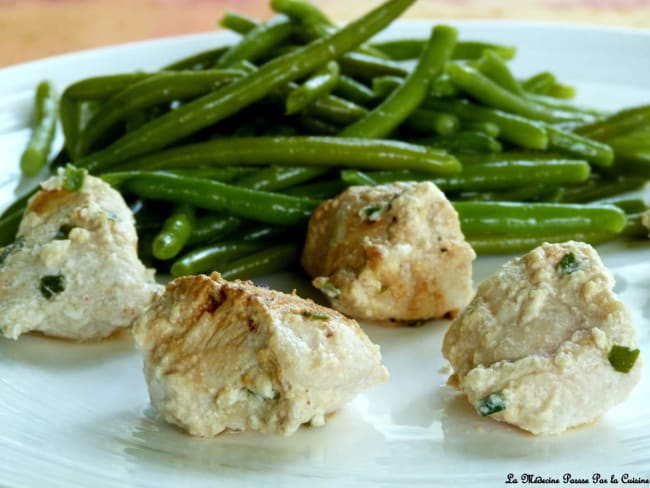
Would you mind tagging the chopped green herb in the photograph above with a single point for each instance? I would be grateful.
(315, 315)
(372, 213)
(568, 264)
(73, 177)
(14, 246)
(63, 232)
(622, 358)
(52, 285)
(492, 403)
(324, 285)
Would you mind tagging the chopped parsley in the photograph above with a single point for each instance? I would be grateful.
(492, 403)
(52, 285)
(372, 213)
(73, 177)
(622, 358)
(63, 232)
(324, 285)
(315, 315)
(14, 246)
(568, 264)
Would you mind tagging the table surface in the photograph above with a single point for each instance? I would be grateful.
(32, 29)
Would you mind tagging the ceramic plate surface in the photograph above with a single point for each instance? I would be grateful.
(78, 414)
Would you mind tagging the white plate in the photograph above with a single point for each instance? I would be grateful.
(78, 415)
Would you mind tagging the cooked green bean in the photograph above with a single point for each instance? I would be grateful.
(272, 208)
(635, 227)
(599, 187)
(405, 49)
(301, 150)
(494, 67)
(491, 244)
(34, 156)
(258, 42)
(202, 60)
(354, 91)
(175, 233)
(102, 87)
(367, 67)
(301, 11)
(498, 175)
(209, 258)
(318, 191)
(463, 142)
(617, 124)
(539, 83)
(575, 145)
(213, 227)
(225, 174)
(490, 128)
(392, 111)
(212, 108)
(268, 261)
(490, 93)
(278, 178)
(154, 90)
(443, 87)
(511, 218)
(355, 177)
(513, 128)
(9, 226)
(382, 86)
(431, 121)
(237, 23)
(317, 127)
(627, 204)
(320, 83)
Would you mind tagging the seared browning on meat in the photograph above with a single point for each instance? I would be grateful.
(545, 343)
(73, 271)
(390, 252)
(222, 355)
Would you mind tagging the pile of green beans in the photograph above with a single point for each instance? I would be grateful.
(224, 154)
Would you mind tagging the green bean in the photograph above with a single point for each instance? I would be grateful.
(238, 23)
(225, 174)
(495, 68)
(102, 87)
(490, 128)
(488, 92)
(463, 142)
(209, 258)
(34, 156)
(391, 112)
(599, 187)
(301, 11)
(74, 116)
(575, 145)
(366, 67)
(498, 175)
(635, 227)
(355, 177)
(513, 128)
(539, 83)
(278, 178)
(405, 49)
(617, 124)
(510, 218)
(333, 109)
(627, 204)
(212, 108)
(443, 87)
(213, 227)
(523, 193)
(315, 126)
(354, 91)
(558, 90)
(157, 89)
(301, 150)
(203, 60)
(258, 42)
(175, 232)
(320, 83)
(484, 245)
(382, 86)
(430, 121)
(250, 204)
(555, 104)
(268, 261)
(9, 226)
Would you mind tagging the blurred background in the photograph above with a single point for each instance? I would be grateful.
(32, 29)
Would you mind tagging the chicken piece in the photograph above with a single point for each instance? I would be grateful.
(545, 343)
(222, 355)
(390, 252)
(73, 271)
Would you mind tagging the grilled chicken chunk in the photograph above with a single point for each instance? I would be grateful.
(73, 270)
(545, 344)
(222, 355)
(390, 252)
